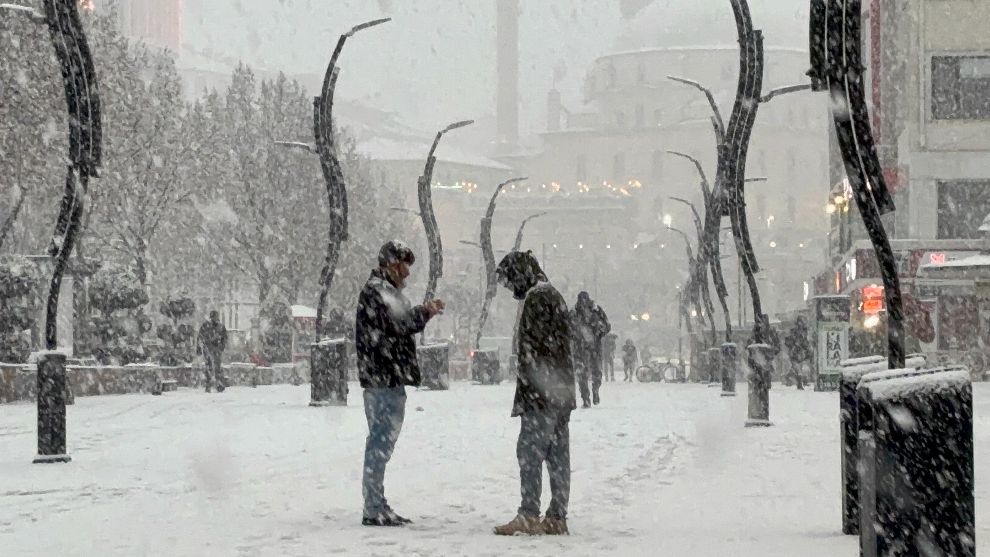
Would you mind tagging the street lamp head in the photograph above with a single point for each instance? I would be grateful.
(366, 25)
(455, 125)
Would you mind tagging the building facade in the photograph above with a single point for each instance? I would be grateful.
(929, 94)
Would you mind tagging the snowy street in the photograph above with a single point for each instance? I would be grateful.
(657, 470)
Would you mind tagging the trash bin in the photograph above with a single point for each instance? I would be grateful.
(434, 365)
(916, 463)
(485, 367)
(853, 370)
(328, 373)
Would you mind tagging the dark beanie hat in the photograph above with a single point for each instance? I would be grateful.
(394, 250)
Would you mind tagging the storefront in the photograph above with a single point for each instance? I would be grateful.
(961, 290)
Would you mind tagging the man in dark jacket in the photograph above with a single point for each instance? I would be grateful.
(385, 326)
(608, 356)
(798, 350)
(544, 396)
(213, 341)
(589, 326)
(628, 359)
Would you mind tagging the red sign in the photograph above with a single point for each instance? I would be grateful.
(937, 258)
(872, 300)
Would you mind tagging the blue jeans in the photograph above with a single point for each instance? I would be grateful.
(385, 410)
(544, 436)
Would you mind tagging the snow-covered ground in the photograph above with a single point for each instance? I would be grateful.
(657, 470)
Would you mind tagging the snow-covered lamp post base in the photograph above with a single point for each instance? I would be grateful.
(51, 409)
(434, 363)
(485, 367)
(729, 358)
(760, 370)
(714, 367)
(328, 373)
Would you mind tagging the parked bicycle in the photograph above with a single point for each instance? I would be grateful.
(657, 370)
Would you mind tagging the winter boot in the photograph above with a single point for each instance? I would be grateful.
(396, 517)
(554, 526)
(521, 526)
(381, 519)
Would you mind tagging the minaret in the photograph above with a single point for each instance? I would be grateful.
(507, 101)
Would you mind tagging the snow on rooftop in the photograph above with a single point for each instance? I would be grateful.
(982, 260)
(303, 311)
(900, 387)
(384, 149)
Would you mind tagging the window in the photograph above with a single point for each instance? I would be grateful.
(961, 87)
(656, 166)
(962, 205)
(619, 168)
(640, 116)
(610, 76)
(581, 168)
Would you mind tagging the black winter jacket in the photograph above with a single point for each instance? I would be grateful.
(384, 330)
(545, 377)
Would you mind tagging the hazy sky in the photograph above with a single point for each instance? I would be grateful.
(436, 61)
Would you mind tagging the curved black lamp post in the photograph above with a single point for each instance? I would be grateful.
(709, 243)
(727, 197)
(694, 282)
(836, 67)
(700, 268)
(519, 235)
(85, 156)
(326, 386)
(326, 148)
(489, 254)
(429, 217)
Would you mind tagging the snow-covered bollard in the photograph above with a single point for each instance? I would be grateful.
(760, 359)
(485, 367)
(853, 371)
(729, 358)
(916, 463)
(434, 364)
(51, 377)
(328, 373)
(714, 367)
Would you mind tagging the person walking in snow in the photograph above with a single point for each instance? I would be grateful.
(589, 327)
(385, 326)
(628, 359)
(544, 396)
(608, 356)
(212, 342)
(798, 350)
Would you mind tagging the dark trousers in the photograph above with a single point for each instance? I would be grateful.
(385, 410)
(214, 369)
(581, 374)
(795, 372)
(544, 436)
